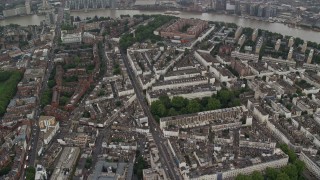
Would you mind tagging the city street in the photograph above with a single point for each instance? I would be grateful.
(32, 153)
(167, 160)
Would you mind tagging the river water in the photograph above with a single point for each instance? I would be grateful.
(274, 27)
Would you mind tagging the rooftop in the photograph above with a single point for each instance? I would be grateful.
(112, 171)
(66, 163)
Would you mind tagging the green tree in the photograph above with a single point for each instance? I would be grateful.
(157, 108)
(30, 173)
(178, 102)
(292, 155)
(4, 75)
(184, 110)
(272, 173)
(300, 166)
(101, 93)
(193, 106)
(118, 103)
(243, 177)
(213, 104)
(291, 171)
(63, 100)
(186, 51)
(299, 92)
(235, 102)
(204, 101)
(116, 71)
(46, 97)
(86, 114)
(264, 78)
(225, 96)
(51, 83)
(77, 59)
(256, 175)
(90, 68)
(5, 170)
(282, 176)
(71, 79)
(172, 112)
(139, 166)
(88, 163)
(165, 100)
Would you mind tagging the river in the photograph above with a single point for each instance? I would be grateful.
(274, 27)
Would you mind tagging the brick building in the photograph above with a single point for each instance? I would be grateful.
(176, 29)
(240, 67)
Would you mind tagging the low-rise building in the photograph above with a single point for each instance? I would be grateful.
(255, 35)
(238, 33)
(153, 174)
(244, 56)
(175, 28)
(241, 68)
(41, 173)
(290, 53)
(15, 12)
(259, 45)
(112, 171)
(278, 44)
(242, 40)
(310, 56)
(21, 105)
(49, 127)
(202, 118)
(71, 38)
(258, 164)
(291, 42)
(304, 46)
(311, 162)
(260, 113)
(66, 163)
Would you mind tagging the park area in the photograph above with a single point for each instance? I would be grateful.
(8, 87)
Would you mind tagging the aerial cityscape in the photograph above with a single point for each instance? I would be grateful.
(159, 90)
